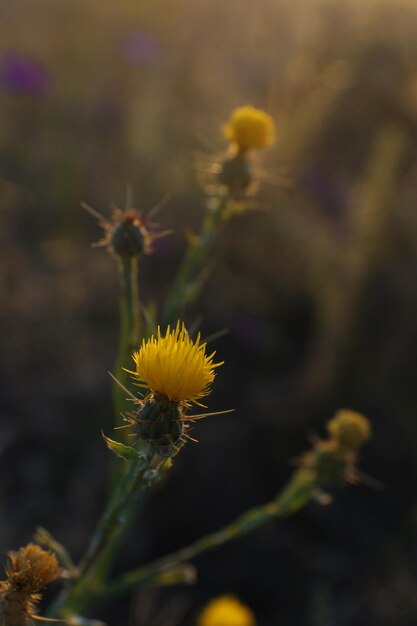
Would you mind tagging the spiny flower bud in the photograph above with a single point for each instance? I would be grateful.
(235, 173)
(127, 234)
(333, 462)
(226, 611)
(128, 238)
(159, 422)
(331, 465)
(350, 429)
(29, 570)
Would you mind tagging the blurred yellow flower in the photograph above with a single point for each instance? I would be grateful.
(349, 428)
(249, 127)
(226, 611)
(174, 366)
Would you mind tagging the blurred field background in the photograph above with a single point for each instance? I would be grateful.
(318, 288)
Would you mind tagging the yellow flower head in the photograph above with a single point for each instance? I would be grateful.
(249, 127)
(174, 366)
(349, 429)
(226, 611)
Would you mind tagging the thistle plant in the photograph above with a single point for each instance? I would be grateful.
(329, 463)
(233, 180)
(127, 236)
(334, 460)
(175, 373)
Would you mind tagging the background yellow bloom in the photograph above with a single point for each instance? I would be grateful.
(250, 127)
(226, 611)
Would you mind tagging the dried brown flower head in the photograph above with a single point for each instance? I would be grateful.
(28, 571)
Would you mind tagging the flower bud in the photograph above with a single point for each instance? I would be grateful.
(128, 237)
(235, 173)
(330, 463)
(159, 422)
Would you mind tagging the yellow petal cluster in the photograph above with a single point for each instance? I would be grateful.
(249, 127)
(349, 428)
(226, 611)
(174, 366)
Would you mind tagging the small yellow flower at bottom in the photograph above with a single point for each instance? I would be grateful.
(249, 127)
(226, 611)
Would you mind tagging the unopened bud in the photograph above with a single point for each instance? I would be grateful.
(236, 173)
(159, 422)
(128, 238)
(330, 463)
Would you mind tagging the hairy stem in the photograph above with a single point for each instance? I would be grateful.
(129, 332)
(192, 273)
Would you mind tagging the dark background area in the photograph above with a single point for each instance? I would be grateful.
(317, 287)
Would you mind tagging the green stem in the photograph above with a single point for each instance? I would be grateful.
(191, 275)
(129, 332)
(128, 342)
(77, 598)
(291, 499)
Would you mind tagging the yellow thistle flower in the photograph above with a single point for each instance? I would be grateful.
(174, 366)
(226, 611)
(349, 428)
(250, 127)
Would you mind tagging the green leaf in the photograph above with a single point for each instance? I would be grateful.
(125, 452)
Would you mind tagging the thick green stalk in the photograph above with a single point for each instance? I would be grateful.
(128, 342)
(295, 495)
(76, 599)
(129, 332)
(192, 274)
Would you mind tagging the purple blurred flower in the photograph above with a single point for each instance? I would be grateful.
(141, 48)
(20, 74)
